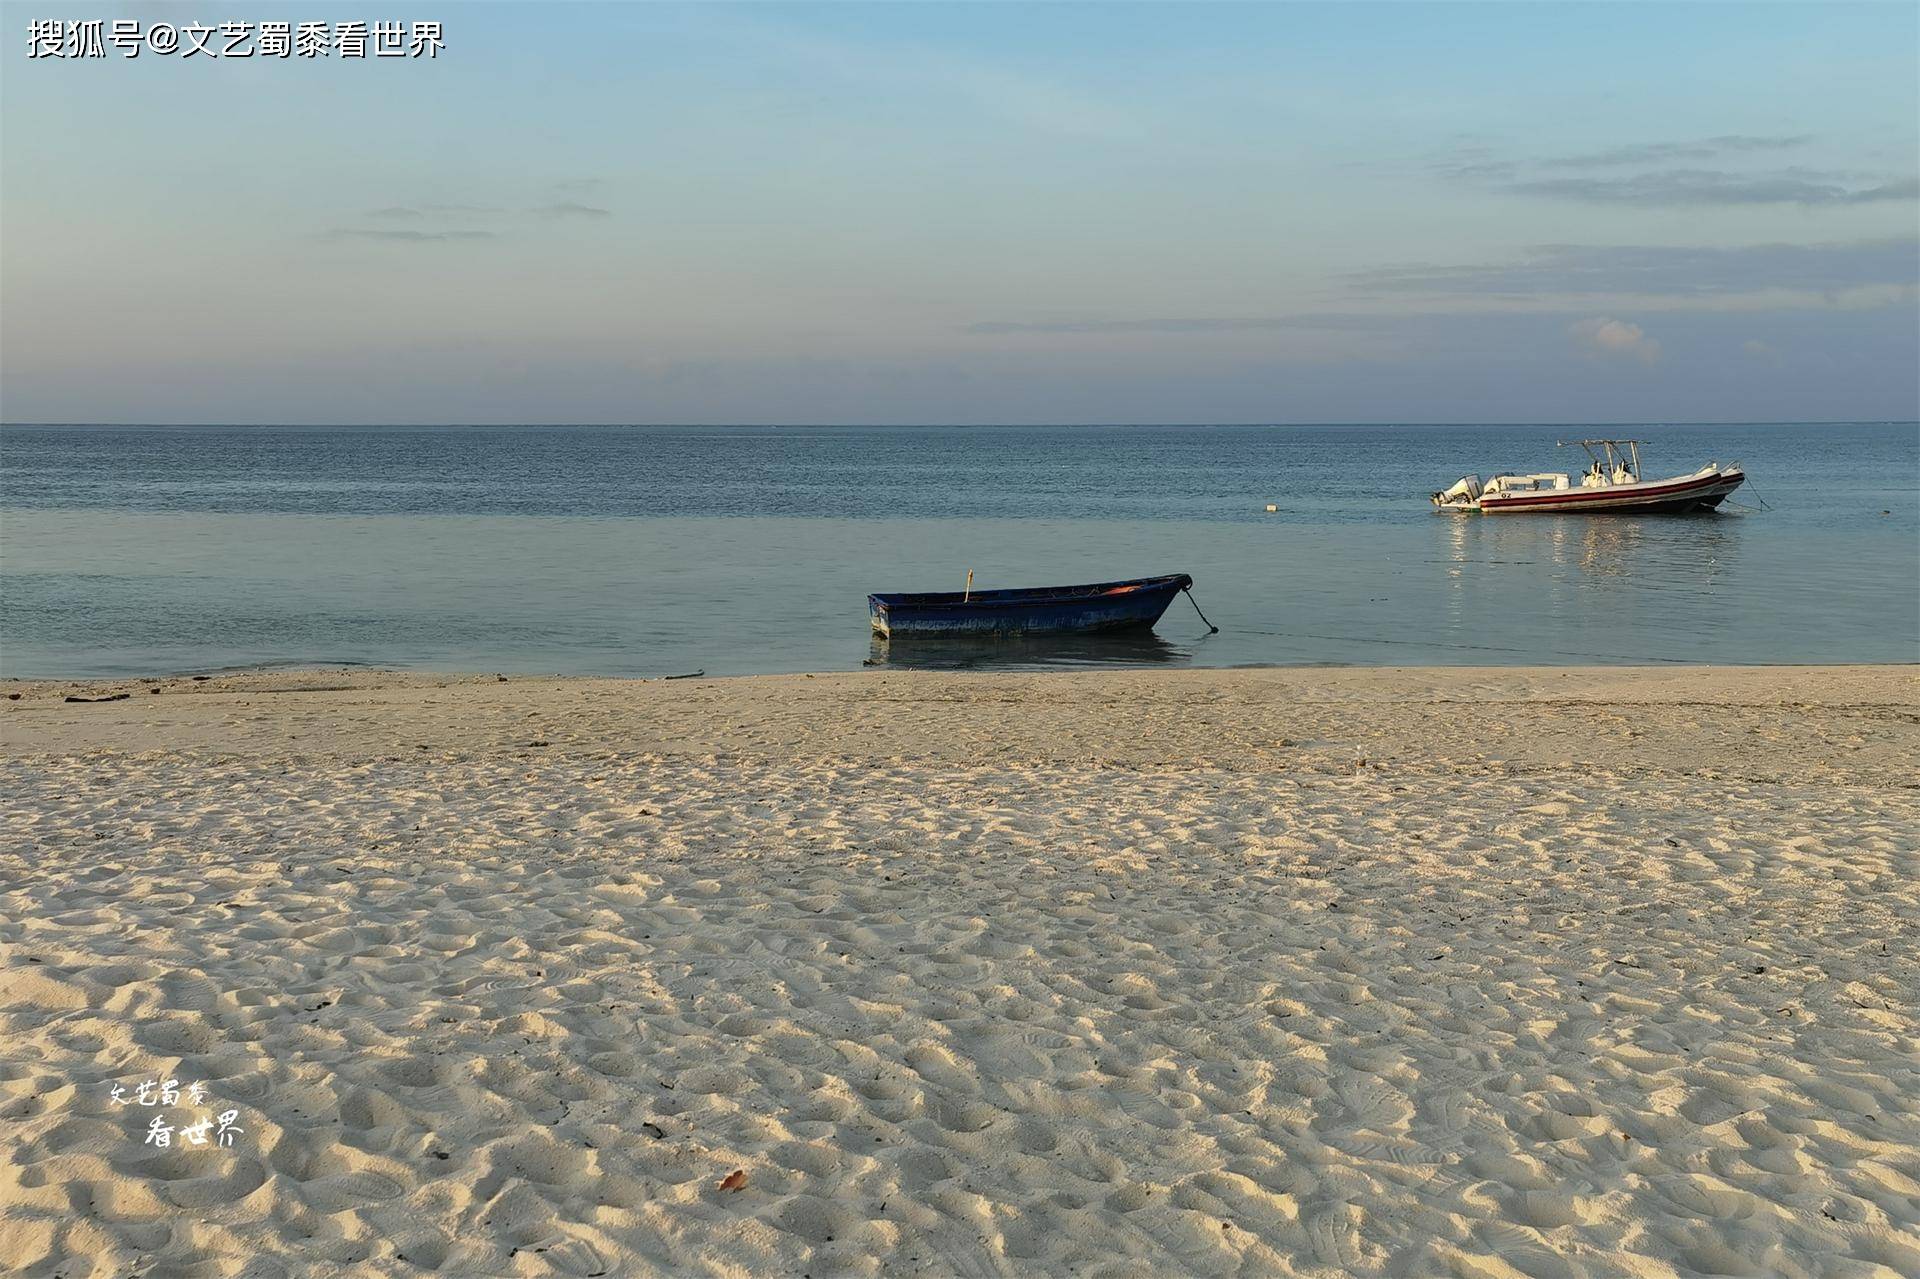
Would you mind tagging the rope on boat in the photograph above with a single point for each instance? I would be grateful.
(1188, 592)
(1764, 504)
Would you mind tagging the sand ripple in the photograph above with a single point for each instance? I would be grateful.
(508, 1015)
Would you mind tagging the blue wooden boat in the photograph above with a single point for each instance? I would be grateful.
(1099, 606)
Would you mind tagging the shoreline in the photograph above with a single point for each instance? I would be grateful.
(376, 670)
(1294, 971)
(1244, 718)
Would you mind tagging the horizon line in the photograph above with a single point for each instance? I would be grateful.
(950, 426)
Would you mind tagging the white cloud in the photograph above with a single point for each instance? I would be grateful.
(1882, 272)
(1603, 336)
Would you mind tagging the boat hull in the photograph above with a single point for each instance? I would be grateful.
(1661, 497)
(1099, 606)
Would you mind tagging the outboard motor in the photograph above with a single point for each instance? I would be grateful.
(1465, 493)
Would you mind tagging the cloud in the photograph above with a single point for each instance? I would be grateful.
(1666, 182)
(1671, 187)
(451, 212)
(1668, 152)
(1564, 283)
(569, 209)
(1602, 336)
(404, 237)
(1253, 324)
(1572, 270)
(1474, 164)
(411, 211)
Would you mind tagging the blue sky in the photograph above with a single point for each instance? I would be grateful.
(994, 213)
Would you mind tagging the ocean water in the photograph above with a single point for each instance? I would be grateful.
(650, 551)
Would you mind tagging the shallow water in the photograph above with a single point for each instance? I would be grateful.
(647, 551)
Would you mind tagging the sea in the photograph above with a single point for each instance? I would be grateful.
(648, 551)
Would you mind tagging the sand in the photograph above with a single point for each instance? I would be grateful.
(1279, 972)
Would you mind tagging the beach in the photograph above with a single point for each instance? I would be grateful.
(1475, 972)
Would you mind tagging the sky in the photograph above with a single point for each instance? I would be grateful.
(972, 213)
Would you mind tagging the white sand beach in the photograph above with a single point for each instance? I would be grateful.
(1465, 972)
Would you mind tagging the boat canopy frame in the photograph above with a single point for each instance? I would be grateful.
(1613, 455)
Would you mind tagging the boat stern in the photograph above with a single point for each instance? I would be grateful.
(1463, 496)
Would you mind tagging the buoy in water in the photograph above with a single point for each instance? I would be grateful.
(1271, 508)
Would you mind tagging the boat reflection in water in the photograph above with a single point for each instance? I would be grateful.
(1653, 554)
(1025, 652)
(1561, 588)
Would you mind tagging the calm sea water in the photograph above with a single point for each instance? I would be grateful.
(647, 551)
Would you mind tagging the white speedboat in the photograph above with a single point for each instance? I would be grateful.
(1612, 485)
